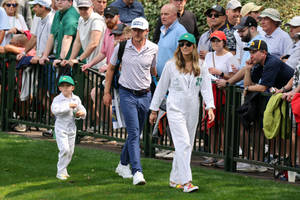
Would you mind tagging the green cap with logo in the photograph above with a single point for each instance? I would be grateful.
(66, 79)
(188, 37)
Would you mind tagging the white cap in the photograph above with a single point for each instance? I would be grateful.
(295, 21)
(46, 3)
(140, 23)
(233, 4)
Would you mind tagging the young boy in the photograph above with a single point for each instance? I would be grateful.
(66, 107)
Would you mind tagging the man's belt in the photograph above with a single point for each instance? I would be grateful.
(136, 92)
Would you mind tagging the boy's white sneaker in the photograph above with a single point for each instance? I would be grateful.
(138, 178)
(190, 188)
(61, 177)
(124, 171)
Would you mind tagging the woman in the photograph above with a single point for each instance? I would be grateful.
(16, 21)
(220, 61)
(183, 78)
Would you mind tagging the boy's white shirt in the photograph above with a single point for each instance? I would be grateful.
(65, 119)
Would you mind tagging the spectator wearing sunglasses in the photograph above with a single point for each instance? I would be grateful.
(15, 20)
(216, 18)
(184, 77)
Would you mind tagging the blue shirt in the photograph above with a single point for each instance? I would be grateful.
(278, 42)
(274, 73)
(4, 25)
(128, 13)
(167, 44)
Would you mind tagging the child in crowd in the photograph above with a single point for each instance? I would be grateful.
(17, 45)
(66, 107)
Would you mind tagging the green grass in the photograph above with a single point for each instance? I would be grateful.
(28, 169)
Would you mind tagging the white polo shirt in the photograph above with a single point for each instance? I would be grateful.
(136, 65)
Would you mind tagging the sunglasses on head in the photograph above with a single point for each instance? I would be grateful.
(11, 5)
(186, 43)
(215, 15)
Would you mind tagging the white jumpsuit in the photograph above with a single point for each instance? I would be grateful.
(182, 112)
(65, 128)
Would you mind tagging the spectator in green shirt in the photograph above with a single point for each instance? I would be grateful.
(63, 32)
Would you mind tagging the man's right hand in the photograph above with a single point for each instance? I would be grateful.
(221, 83)
(202, 54)
(86, 66)
(43, 60)
(107, 99)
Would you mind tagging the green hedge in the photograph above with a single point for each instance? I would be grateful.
(287, 9)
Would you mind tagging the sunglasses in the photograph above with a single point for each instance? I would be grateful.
(11, 5)
(188, 44)
(215, 15)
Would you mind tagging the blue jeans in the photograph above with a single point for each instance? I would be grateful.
(135, 110)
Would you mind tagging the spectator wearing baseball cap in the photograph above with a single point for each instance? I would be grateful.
(252, 10)
(264, 70)
(278, 40)
(111, 11)
(293, 55)
(233, 9)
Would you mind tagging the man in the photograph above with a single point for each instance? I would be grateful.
(89, 37)
(99, 6)
(137, 65)
(294, 53)
(63, 32)
(278, 40)
(264, 70)
(128, 10)
(252, 10)
(38, 40)
(170, 33)
(247, 30)
(185, 17)
(233, 9)
(112, 19)
(215, 17)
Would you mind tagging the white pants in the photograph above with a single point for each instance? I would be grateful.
(65, 143)
(183, 129)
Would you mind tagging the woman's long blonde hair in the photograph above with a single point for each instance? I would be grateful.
(4, 2)
(180, 62)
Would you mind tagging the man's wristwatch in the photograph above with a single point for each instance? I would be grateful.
(222, 75)
(246, 88)
(227, 83)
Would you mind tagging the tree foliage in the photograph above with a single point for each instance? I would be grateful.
(287, 9)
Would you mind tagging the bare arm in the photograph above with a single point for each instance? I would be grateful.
(30, 44)
(2, 33)
(76, 47)
(108, 79)
(94, 42)
(49, 45)
(65, 46)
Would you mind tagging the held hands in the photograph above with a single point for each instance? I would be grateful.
(221, 83)
(34, 60)
(43, 60)
(86, 66)
(153, 117)
(288, 96)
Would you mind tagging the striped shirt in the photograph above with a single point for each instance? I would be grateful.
(136, 65)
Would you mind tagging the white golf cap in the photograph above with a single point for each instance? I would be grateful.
(271, 13)
(140, 23)
(295, 21)
(46, 3)
(233, 4)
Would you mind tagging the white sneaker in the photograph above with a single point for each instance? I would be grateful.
(245, 167)
(61, 177)
(169, 156)
(124, 171)
(190, 188)
(162, 153)
(138, 178)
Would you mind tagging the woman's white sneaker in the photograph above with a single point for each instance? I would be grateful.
(124, 171)
(138, 178)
